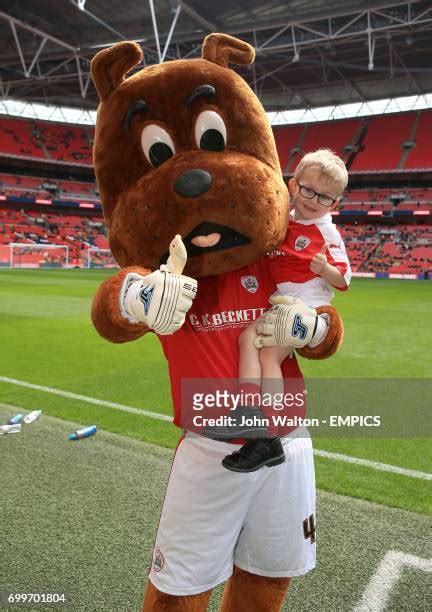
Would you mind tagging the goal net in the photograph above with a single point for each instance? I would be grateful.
(100, 258)
(25, 255)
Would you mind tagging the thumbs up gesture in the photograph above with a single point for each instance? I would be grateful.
(319, 261)
(177, 256)
(160, 299)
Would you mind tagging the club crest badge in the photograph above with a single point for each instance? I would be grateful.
(249, 283)
(158, 560)
(301, 243)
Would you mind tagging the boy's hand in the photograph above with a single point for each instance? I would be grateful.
(319, 261)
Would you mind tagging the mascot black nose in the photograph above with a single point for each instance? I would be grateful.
(193, 183)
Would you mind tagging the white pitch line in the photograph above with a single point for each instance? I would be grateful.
(378, 591)
(376, 465)
(85, 398)
(384, 467)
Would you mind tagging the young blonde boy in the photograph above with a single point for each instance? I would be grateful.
(311, 261)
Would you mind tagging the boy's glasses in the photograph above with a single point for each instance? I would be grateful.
(309, 194)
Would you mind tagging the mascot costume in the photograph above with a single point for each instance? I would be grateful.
(184, 148)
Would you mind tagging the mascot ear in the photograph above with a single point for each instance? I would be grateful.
(222, 49)
(109, 66)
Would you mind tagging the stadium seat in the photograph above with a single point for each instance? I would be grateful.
(382, 146)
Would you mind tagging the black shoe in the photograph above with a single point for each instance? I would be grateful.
(254, 455)
(236, 428)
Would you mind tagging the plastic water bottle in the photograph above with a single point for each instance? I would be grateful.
(83, 433)
(32, 416)
(17, 418)
(8, 429)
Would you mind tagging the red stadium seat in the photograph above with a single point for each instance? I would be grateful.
(333, 135)
(46, 140)
(383, 143)
(421, 156)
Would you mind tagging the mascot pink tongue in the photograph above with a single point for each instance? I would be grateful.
(184, 148)
(206, 241)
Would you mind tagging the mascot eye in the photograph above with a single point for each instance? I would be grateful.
(157, 144)
(210, 131)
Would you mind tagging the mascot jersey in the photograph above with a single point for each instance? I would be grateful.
(206, 346)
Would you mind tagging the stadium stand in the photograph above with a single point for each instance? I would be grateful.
(286, 139)
(33, 226)
(293, 141)
(390, 143)
(385, 143)
(382, 147)
(401, 250)
(27, 186)
(395, 249)
(378, 195)
(399, 241)
(420, 156)
(46, 140)
(344, 136)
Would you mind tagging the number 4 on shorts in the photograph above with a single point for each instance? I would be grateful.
(309, 529)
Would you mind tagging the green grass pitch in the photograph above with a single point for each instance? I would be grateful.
(80, 518)
(48, 340)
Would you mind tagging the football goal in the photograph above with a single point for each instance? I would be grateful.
(100, 258)
(27, 255)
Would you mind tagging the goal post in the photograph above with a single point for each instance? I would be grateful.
(28, 255)
(37, 255)
(100, 258)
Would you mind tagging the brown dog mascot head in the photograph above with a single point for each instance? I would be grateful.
(185, 148)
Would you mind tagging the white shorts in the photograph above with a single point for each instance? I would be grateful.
(263, 521)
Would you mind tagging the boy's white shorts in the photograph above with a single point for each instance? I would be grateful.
(212, 518)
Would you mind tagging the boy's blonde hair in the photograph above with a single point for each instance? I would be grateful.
(328, 164)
